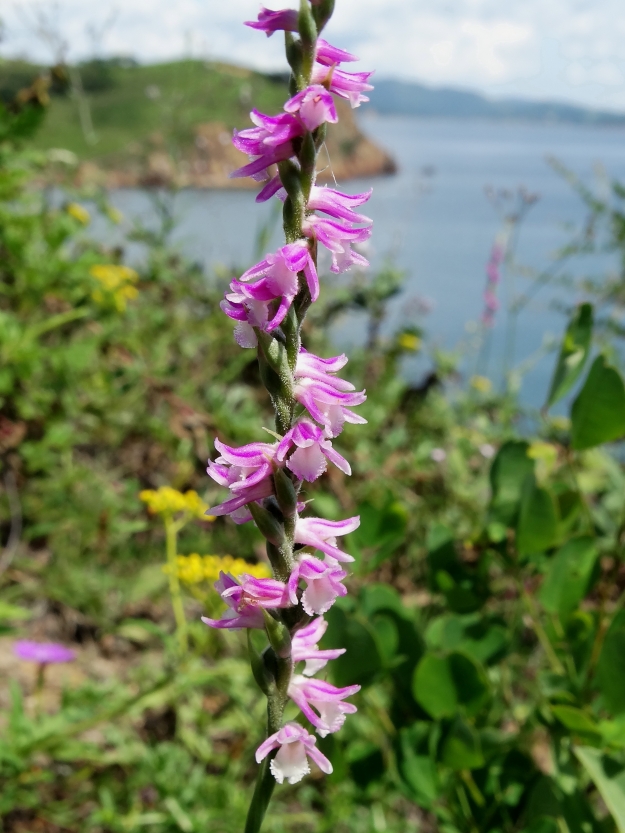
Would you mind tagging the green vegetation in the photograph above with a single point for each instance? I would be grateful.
(484, 619)
(133, 106)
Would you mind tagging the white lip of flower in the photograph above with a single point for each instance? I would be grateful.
(290, 763)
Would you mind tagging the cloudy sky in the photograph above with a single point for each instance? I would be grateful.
(559, 49)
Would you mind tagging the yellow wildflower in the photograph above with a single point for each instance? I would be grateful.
(116, 282)
(166, 500)
(195, 568)
(78, 212)
(481, 384)
(409, 341)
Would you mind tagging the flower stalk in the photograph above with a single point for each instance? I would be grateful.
(269, 303)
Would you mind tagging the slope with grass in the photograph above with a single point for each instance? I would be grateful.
(171, 123)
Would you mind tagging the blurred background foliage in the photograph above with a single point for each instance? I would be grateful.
(485, 618)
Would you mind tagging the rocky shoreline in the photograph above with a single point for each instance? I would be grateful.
(209, 161)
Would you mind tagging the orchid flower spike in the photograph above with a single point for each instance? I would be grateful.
(312, 403)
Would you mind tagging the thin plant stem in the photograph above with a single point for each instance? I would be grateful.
(171, 538)
(556, 666)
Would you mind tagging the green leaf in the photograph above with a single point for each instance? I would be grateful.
(576, 720)
(537, 527)
(598, 413)
(483, 638)
(463, 588)
(381, 532)
(569, 576)
(362, 660)
(611, 665)
(11, 612)
(573, 353)
(447, 685)
(544, 824)
(507, 476)
(434, 688)
(461, 748)
(608, 776)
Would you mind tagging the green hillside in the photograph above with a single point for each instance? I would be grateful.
(132, 105)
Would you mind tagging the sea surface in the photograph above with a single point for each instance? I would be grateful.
(433, 219)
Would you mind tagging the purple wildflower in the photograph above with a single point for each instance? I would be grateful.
(246, 471)
(257, 593)
(329, 55)
(294, 745)
(305, 648)
(327, 398)
(237, 615)
(321, 534)
(348, 85)
(270, 21)
(312, 451)
(45, 653)
(339, 205)
(338, 238)
(322, 703)
(314, 106)
(323, 580)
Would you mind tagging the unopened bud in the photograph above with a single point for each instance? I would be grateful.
(286, 494)
(269, 527)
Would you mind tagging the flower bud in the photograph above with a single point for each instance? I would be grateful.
(286, 495)
(269, 527)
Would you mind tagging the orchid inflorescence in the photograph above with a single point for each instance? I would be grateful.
(312, 404)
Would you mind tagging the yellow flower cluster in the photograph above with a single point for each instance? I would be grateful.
(166, 500)
(481, 384)
(116, 282)
(194, 568)
(409, 341)
(79, 213)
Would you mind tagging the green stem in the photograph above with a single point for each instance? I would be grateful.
(266, 782)
(262, 796)
(554, 660)
(171, 538)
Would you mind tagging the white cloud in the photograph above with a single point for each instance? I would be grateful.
(541, 48)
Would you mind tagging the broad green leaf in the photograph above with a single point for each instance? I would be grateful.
(362, 661)
(381, 532)
(598, 413)
(573, 353)
(543, 825)
(576, 720)
(507, 476)
(569, 576)
(537, 526)
(461, 748)
(434, 687)
(464, 588)
(447, 685)
(611, 665)
(386, 635)
(483, 638)
(608, 776)
(378, 597)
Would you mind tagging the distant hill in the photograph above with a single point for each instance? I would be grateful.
(171, 123)
(391, 97)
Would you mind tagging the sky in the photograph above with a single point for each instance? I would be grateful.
(568, 50)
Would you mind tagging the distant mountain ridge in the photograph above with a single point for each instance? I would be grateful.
(407, 98)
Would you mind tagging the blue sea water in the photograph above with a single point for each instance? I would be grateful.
(433, 220)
